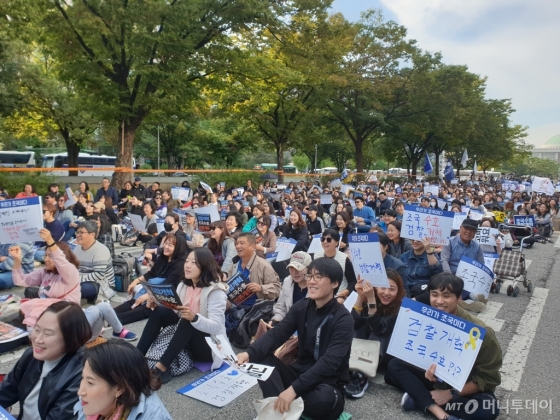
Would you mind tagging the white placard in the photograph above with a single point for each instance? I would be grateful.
(477, 277)
(137, 222)
(421, 222)
(458, 219)
(490, 259)
(475, 215)
(70, 198)
(365, 253)
(486, 236)
(207, 187)
(424, 336)
(180, 193)
(542, 185)
(432, 189)
(345, 189)
(211, 210)
(441, 204)
(315, 244)
(326, 199)
(465, 209)
(284, 248)
(336, 183)
(350, 301)
(21, 220)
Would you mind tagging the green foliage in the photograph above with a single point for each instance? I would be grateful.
(232, 179)
(14, 182)
(301, 162)
(535, 166)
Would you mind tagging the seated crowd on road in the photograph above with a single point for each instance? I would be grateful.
(88, 377)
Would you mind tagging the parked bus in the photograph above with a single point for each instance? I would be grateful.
(17, 159)
(85, 160)
(288, 169)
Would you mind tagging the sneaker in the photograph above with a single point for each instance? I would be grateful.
(357, 386)
(407, 403)
(165, 376)
(125, 335)
(472, 305)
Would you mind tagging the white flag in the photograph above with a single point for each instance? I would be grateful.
(464, 159)
(475, 168)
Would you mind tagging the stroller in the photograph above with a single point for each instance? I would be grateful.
(511, 264)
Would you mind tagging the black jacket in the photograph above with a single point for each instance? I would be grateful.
(301, 235)
(335, 341)
(59, 390)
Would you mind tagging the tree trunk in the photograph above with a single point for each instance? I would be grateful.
(436, 171)
(169, 164)
(359, 144)
(280, 161)
(73, 150)
(414, 168)
(124, 153)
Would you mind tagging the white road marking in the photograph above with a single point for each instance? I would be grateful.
(518, 350)
(489, 316)
(557, 243)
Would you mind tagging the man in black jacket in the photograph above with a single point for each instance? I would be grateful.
(325, 329)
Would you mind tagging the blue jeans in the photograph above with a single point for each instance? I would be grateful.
(6, 281)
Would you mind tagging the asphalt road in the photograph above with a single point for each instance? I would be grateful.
(525, 327)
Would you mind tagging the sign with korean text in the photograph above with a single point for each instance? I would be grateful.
(486, 236)
(203, 221)
(238, 292)
(421, 222)
(21, 220)
(458, 219)
(365, 253)
(490, 259)
(180, 193)
(431, 189)
(284, 248)
(212, 211)
(477, 277)
(424, 336)
(524, 220)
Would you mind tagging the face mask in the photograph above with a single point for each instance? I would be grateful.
(432, 204)
(168, 227)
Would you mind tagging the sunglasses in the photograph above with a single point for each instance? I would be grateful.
(214, 227)
(261, 223)
(326, 238)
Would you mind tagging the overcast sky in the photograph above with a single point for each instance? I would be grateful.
(514, 43)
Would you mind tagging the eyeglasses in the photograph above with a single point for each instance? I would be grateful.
(326, 238)
(316, 277)
(81, 232)
(157, 198)
(261, 223)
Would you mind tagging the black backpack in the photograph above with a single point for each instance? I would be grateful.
(127, 268)
(262, 309)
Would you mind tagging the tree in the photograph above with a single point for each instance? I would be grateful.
(130, 54)
(534, 166)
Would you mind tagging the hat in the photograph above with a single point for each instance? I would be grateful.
(469, 223)
(137, 179)
(99, 206)
(300, 260)
(190, 213)
(489, 214)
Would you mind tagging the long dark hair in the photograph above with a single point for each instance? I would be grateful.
(209, 268)
(121, 365)
(395, 305)
(216, 245)
(300, 223)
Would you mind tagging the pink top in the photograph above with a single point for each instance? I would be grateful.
(25, 195)
(64, 285)
(192, 298)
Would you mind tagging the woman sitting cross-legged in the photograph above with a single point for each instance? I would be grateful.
(203, 314)
(118, 385)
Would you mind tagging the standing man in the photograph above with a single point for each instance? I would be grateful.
(363, 215)
(459, 245)
(325, 329)
(107, 190)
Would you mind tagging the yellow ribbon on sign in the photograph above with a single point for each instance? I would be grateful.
(473, 337)
(500, 216)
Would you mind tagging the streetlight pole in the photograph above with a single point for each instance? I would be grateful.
(315, 166)
(158, 149)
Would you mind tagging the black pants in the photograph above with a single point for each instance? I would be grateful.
(325, 402)
(402, 375)
(127, 315)
(186, 335)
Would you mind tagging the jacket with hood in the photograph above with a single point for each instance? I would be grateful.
(148, 408)
(172, 271)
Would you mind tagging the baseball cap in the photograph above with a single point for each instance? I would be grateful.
(300, 260)
(489, 214)
(470, 224)
(137, 179)
(190, 213)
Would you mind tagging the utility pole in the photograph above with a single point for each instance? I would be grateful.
(158, 149)
(315, 166)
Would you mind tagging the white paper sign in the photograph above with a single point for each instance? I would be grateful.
(21, 220)
(542, 185)
(365, 253)
(336, 183)
(441, 203)
(486, 236)
(432, 189)
(137, 222)
(315, 244)
(350, 301)
(326, 199)
(70, 198)
(284, 248)
(424, 336)
(475, 215)
(159, 224)
(420, 222)
(477, 277)
(180, 193)
(211, 210)
(458, 219)
(490, 259)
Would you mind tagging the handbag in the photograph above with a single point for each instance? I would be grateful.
(182, 363)
(265, 409)
(364, 356)
(129, 238)
(287, 352)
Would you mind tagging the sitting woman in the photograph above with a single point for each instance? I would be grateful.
(343, 220)
(45, 380)
(150, 220)
(543, 220)
(258, 211)
(161, 207)
(171, 224)
(269, 211)
(110, 211)
(83, 188)
(296, 228)
(117, 384)
(375, 314)
(168, 269)
(329, 243)
(397, 244)
(203, 314)
(222, 246)
(268, 242)
(234, 223)
(389, 260)
(421, 263)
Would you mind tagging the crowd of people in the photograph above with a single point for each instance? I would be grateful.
(89, 378)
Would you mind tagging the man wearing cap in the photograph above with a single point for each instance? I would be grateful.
(107, 190)
(294, 287)
(315, 225)
(363, 215)
(463, 244)
(138, 188)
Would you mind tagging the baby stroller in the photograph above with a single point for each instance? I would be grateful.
(511, 264)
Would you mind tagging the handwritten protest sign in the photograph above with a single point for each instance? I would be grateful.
(486, 236)
(315, 244)
(21, 220)
(284, 248)
(458, 219)
(180, 193)
(424, 336)
(490, 259)
(137, 222)
(365, 253)
(420, 222)
(477, 277)
(524, 220)
(238, 293)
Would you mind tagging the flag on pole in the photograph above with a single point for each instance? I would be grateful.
(475, 168)
(448, 172)
(428, 168)
(344, 174)
(464, 159)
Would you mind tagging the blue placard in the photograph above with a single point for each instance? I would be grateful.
(524, 220)
(4, 415)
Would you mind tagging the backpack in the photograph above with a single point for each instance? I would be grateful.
(126, 269)
(262, 309)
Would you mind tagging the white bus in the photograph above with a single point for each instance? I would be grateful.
(17, 159)
(85, 160)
